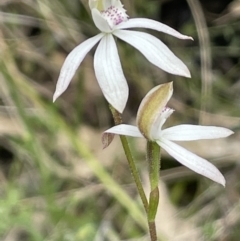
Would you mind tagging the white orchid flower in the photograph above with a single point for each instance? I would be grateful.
(151, 116)
(111, 19)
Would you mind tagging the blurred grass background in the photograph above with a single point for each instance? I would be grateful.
(56, 182)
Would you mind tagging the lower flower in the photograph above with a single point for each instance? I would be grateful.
(151, 116)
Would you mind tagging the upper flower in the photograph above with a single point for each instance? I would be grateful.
(151, 116)
(111, 19)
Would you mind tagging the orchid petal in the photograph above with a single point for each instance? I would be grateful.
(109, 73)
(72, 62)
(194, 132)
(100, 22)
(192, 161)
(155, 51)
(151, 24)
(126, 130)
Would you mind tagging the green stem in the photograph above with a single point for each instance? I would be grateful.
(152, 231)
(118, 120)
(153, 157)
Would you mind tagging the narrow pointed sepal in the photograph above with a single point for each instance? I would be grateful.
(194, 132)
(124, 130)
(151, 24)
(155, 51)
(71, 64)
(192, 161)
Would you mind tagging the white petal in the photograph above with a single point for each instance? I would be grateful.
(72, 62)
(151, 24)
(192, 161)
(155, 51)
(126, 130)
(109, 73)
(194, 132)
(100, 22)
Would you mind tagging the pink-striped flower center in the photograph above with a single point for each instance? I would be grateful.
(114, 15)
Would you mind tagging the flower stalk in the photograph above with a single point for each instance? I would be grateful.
(118, 120)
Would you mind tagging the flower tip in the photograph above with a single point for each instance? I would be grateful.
(119, 105)
(230, 132)
(121, 109)
(171, 85)
(187, 73)
(55, 96)
(220, 179)
(185, 37)
(107, 138)
(223, 182)
(225, 132)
